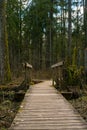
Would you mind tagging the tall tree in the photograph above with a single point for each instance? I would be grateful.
(69, 28)
(85, 22)
(38, 32)
(15, 31)
(5, 74)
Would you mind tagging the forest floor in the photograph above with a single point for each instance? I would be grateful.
(8, 110)
(10, 101)
(80, 104)
(9, 106)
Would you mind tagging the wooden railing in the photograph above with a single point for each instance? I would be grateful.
(27, 68)
(57, 73)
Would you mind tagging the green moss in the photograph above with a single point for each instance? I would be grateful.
(7, 65)
(74, 56)
(32, 83)
(3, 129)
(84, 98)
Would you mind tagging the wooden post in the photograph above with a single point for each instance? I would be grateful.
(27, 77)
(57, 73)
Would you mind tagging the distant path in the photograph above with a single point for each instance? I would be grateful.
(44, 108)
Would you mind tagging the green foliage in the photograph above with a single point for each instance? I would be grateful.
(3, 129)
(37, 32)
(74, 75)
(74, 57)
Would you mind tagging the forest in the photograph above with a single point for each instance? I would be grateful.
(43, 33)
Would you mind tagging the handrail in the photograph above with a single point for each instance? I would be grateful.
(57, 73)
(26, 64)
(61, 63)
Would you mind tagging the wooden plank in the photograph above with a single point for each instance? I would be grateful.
(57, 64)
(26, 64)
(43, 108)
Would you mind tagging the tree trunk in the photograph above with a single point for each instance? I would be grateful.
(85, 22)
(5, 74)
(69, 29)
(51, 33)
(1, 42)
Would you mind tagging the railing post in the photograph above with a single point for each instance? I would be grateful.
(27, 76)
(57, 73)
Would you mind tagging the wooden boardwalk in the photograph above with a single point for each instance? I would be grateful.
(44, 108)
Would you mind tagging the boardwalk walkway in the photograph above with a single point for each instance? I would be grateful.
(44, 108)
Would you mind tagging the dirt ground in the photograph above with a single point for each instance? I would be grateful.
(8, 105)
(80, 104)
(8, 110)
